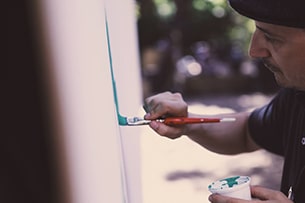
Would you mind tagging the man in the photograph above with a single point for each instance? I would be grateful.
(279, 127)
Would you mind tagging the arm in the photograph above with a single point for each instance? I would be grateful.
(225, 138)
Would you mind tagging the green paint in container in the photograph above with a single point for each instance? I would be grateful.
(235, 186)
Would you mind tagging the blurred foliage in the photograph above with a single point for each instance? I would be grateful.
(178, 36)
(197, 20)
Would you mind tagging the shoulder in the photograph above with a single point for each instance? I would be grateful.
(282, 103)
(266, 124)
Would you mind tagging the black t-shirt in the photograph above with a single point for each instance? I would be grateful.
(279, 127)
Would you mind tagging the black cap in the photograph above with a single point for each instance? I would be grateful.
(289, 13)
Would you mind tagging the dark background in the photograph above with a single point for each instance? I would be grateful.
(27, 172)
(209, 33)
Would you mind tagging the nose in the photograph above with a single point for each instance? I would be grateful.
(258, 47)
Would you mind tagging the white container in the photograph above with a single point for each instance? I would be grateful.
(236, 186)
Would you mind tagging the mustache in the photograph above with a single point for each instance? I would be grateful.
(268, 64)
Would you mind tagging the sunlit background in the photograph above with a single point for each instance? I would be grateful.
(199, 48)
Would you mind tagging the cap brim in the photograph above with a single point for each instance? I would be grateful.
(279, 12)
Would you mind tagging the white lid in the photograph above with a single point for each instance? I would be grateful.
(229, 184)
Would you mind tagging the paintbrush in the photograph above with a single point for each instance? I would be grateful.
(136, 121)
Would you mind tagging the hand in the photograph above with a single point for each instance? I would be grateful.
(261, 194)
(164, 105)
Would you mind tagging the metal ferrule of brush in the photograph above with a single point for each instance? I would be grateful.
(137, 121)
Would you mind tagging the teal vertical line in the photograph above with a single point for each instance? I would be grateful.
(122, 119)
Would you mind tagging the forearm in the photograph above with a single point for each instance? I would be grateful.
(224, 138)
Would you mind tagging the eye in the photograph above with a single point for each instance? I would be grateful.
(275, 41)
(270, 39)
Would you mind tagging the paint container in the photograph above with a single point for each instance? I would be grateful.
(236, 186)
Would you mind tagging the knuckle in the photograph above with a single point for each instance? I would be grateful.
(167, 93)
(162, 132)
(184, 105)
(178, 95)
(168, 132)
(279, 195)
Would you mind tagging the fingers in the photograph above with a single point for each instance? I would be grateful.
(165, 104)
(165, 130)
(216, 198)
(268, 194)
(259, 193)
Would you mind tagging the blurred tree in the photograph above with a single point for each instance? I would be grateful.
(172, 29)
(197, 20)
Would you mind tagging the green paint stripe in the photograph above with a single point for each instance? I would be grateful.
(122, 120)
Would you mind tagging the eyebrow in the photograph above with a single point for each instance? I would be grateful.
(266, 31)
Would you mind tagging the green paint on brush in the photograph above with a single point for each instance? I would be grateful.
(122, 120)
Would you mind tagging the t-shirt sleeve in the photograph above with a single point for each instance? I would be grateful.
(265, 127)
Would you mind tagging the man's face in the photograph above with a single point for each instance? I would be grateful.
(282, 50)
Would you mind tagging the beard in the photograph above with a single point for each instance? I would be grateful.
(278, 74)
(270, 66)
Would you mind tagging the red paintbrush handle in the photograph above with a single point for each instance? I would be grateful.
(183, 120)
